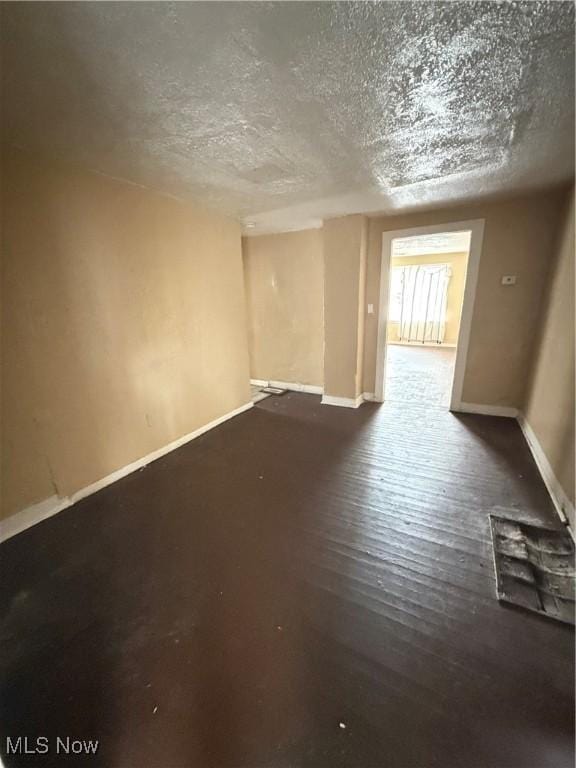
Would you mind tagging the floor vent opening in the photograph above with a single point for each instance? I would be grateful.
(534, 567)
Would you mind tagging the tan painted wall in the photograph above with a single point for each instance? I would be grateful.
(344, 296)
(361, 311)
(518, 240)
(285, 296)
(455, 295)
(549, 407)
(124, 326)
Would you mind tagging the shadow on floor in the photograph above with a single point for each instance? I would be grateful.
(304, 585)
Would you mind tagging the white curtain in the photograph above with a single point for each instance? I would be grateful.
(418, 302)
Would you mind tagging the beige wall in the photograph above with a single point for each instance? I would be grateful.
(344, 297)
(285, 296)
(518, 240)
(123, 322)
(549, 407)
(457, 262)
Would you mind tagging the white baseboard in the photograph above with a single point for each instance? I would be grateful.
(486, 410)
(343, 402)
(33, 514)
(28, 517)
(432, 344)
(369, 397)
(564, 507)
(310, 389)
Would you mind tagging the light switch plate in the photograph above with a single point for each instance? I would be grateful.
(370, 309)
(508, 279)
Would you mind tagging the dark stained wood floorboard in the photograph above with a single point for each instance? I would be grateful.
(299, 567)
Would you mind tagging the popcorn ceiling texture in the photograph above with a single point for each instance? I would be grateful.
(285, 113)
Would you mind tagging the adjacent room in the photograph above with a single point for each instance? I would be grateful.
(426, 294)
(287, 385)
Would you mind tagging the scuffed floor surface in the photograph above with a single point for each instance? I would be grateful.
(419, 374)
(302, 586)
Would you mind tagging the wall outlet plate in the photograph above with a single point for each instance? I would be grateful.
(508, 280)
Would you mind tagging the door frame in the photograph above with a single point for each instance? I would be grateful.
(476, 229)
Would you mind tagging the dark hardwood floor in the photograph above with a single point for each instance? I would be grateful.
(302, 586)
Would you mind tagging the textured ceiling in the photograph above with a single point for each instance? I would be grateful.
(284, 113)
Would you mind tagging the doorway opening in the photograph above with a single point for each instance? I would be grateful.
(428, 282)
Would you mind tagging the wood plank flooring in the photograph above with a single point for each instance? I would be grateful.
(302, 586)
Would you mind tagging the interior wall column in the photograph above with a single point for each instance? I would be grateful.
(344, 241)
